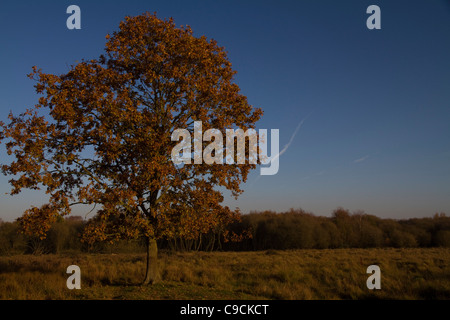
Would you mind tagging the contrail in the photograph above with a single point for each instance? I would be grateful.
(286, 147)
(292, 138)
(361, 159)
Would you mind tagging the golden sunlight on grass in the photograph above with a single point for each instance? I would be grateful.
(296, 274)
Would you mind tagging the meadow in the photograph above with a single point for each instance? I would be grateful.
(406, 273)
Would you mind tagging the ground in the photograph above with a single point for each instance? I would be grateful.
(293, 274)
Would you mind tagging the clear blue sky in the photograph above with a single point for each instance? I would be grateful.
(375, 103)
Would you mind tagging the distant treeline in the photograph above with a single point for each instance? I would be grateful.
(298, 229)
(266, 230)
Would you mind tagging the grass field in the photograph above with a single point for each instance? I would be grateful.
(298, 274)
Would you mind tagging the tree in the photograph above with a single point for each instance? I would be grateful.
(104, 137)
(11, 241)
(347, 227)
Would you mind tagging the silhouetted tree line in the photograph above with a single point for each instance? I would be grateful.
(295, 229)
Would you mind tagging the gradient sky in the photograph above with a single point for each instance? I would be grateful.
(375, 104)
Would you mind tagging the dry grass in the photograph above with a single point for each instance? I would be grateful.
(299, 274)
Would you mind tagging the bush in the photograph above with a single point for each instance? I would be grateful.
(442, 238)
(11, 241)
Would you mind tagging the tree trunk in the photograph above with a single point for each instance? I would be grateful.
(152, 273)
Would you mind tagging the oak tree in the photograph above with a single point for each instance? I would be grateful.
(100, 134)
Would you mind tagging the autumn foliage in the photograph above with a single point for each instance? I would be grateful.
(101, 135)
